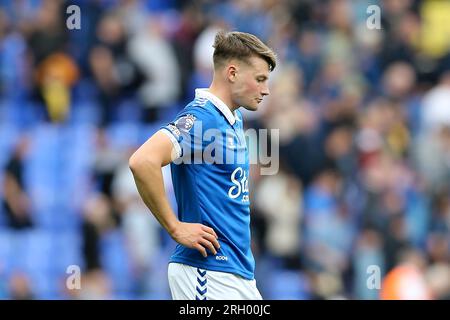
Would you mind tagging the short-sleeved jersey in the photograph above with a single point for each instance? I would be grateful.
(210, 179)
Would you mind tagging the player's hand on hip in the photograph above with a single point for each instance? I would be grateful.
(196, 236)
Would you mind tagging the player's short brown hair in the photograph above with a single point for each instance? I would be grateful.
(241, 46)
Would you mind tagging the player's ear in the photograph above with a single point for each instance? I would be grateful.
(231, 72)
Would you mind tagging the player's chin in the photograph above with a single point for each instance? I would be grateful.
(252, 106)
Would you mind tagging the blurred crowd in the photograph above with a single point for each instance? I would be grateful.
(360, 207)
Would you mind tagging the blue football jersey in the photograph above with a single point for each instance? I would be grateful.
(210, 180)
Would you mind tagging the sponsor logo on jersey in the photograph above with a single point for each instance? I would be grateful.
(240, 185)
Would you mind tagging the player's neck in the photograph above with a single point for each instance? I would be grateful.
(222, 94)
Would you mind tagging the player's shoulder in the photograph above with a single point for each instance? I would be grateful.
(200, 109)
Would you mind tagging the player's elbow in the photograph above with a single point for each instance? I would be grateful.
(133, 162)
(136, 162)
(139, 162)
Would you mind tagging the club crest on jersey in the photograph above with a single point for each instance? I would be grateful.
(185, 122)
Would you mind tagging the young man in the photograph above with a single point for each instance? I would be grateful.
(210, 168)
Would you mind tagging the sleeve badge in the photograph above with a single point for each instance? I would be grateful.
(186, 122)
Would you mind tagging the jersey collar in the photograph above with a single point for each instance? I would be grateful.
(204, 93)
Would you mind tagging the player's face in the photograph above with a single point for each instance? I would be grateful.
(251, 84)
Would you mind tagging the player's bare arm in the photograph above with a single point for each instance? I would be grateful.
(146, 164)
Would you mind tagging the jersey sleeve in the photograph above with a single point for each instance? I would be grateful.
(187, 131)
